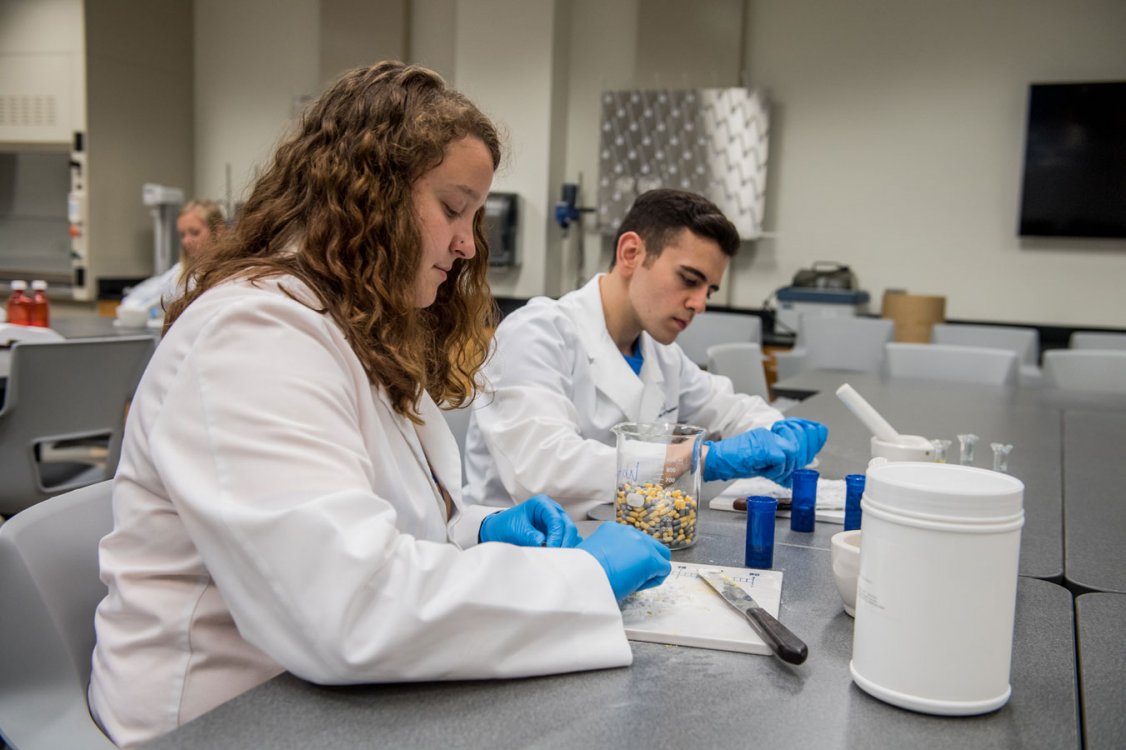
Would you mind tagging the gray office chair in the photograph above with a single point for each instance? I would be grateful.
(1089, 370)
(966, 364)
(742, 363)
(49, 589)
(64, 415)
(711, 328)
(1024, 341)
(11, 333)
(836, 343)
(1097, 340)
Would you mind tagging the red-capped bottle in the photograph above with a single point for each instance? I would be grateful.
(40, 309)
(19, 304)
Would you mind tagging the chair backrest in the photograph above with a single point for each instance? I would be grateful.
(1097, 340)
(844, 342)
(1024, 341)
(11, 333)
(71, 390)
(711, 328)
(49, 589)
(742, 363)
(966, 364)
(1091, 370)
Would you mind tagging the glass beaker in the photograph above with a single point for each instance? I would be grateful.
(659, 472)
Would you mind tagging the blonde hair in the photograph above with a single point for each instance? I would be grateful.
(209, 212)
(340, 189)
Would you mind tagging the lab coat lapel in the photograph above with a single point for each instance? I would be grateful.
(611, 374)
(421, 437)
(439, 446)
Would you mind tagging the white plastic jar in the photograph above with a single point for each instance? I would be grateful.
(936, 593)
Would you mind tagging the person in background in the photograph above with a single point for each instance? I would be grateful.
(288, 496)
(199, 224)
(566, 371)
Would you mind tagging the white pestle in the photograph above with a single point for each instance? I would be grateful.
(866, 414)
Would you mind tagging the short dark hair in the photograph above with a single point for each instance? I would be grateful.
(658, 215)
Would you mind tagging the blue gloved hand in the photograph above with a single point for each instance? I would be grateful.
(809, 436)
(539, 521)
(632, 559)
(758, 452)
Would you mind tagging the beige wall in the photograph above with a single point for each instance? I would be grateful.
(896, 141)
(505, 55)
(139, 127)
(256, 61)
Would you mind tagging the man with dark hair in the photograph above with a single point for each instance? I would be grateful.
(566, 371)
(657, 216)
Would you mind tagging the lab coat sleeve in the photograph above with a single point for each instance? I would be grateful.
(465, 527)
(260, 451)
(710, 400)
(154, 290)
(529, 420)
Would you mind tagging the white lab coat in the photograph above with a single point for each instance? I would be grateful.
(272, 512)
(155, 291)
(555, 387)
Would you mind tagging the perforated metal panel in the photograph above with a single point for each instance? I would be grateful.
(709, 141)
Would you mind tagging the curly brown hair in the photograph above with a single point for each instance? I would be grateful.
(339, 190)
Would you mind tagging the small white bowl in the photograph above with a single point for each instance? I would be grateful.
(845, 554)
(907, 448)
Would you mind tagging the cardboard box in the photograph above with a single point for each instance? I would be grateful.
(914, 315)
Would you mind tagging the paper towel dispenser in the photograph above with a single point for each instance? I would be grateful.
(502, 228)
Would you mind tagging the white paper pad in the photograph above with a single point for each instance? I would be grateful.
(830, 497)
(686, 611)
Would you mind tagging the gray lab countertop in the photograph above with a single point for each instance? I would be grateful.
(677, 697)
(1099, 622)
(1067, 449)
(996, 414)
(1094, 509)
(84, 327)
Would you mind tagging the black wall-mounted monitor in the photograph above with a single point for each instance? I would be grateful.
(1074, 181)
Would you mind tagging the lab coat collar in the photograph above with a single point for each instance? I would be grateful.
(639, 398)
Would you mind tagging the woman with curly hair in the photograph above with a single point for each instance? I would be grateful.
(288, 496)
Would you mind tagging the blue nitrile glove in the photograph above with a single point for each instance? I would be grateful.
(539, 521)
(632, 559)
(758, 452)
(809, 436)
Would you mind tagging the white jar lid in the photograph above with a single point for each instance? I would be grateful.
(946, 492)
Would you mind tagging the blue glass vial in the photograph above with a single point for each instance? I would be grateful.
(760, 532)
(854, 490)
(804, 505)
